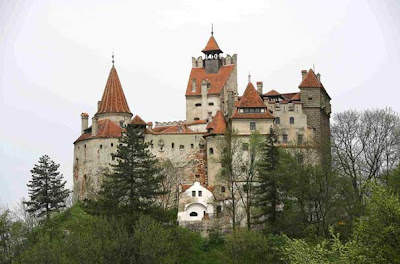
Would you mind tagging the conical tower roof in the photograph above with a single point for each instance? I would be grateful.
(212, 46)
(113, 100)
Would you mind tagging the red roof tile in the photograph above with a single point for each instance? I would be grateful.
(272, 93)
(310, 81)
(197, 122)
(211, 46)
(296, 97)
(217, 80)
(176, 129)
(218, 124)
(251, 98)
(106, 129)
(84, 115)
(160, 129)
(138, 121)
(113, 100)
(288, 96)
(266, 115)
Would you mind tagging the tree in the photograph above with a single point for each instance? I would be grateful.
(11, 235)
(46, 189)
(267, 191)
(134, 184)
(366, 146)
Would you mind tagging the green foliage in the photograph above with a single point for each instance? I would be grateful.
(135, 181)
(11, 234)
(46, 189)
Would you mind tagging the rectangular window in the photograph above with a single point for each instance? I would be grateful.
(191, 145)
(193, 193)
(172, 145)
(198, 104)
(252, 126)
(245, 146)
(200, 193)
(181, 147)
(284, 138)
(299, 139)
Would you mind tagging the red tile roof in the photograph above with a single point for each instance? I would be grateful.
(266, 115)
(176, 129)
(84, 115)
(311, 81)
(113, 100)
(106, 129)
(197, 122)
(218, 124)
(211, 46)
(296, 97)
(288, 96)
(217, 80)
(138, 121)
(160, 129)
(251, 98)
(272, 93)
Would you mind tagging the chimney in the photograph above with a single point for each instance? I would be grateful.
(260, 87)
(98, 105)
(84, 122)
(319, 77)
(303, 74)
(94, 126)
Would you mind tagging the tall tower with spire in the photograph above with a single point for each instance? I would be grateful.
(212, 81)
(93, 148)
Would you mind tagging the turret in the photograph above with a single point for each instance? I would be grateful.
(212, 60)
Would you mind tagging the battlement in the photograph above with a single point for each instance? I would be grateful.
(169, 123)
(227, 60)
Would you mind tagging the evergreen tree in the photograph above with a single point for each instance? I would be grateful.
(46, 189)
(134, 184)
(267, 192)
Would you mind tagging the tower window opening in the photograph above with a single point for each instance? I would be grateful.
(112, 144)
(211, 104)
(223, 189)
(85, 145)
(196, 119)
(193, 214)
(101, 146)
(172, 145)
(198, 104)
(211, 150)
(291, 120)
(181, 147)
(193, 193)
(191, 145)
(200, 193)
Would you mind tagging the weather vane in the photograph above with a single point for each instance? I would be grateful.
(249, 77)
(212, 29)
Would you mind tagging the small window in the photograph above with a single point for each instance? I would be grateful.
(112, 145)
(211, 104)
(112, 157)
(101, 146)
(245, 146)
(252, 126)
(309, 98)
(191, 145)
(299, 139)
(200, 193)
(198, 104)
(181, 147)
(85, 145)
(211, 150)
(193, 193)
(291, 120)
(223, 189)
(173, 145)
(196, 119)
(277, 120)
(193, 214)
(284, 138)
(77, 160)
(121, 123)
(197, 177)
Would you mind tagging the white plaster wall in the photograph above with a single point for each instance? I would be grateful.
(242, 126)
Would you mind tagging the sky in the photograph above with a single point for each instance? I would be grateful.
(55, 57)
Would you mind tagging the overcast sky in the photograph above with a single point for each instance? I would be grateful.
(55, 57)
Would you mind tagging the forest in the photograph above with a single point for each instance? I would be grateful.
(335, 202)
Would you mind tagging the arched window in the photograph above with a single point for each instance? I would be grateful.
(223, 189)
(291, 120)
(193, 214)
(277, 120)
(211, 150)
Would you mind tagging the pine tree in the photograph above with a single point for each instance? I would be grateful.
(134, 184)
(267, 192)
(46, 189)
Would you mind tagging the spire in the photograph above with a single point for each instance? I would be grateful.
(113, 100)
(212, 46)
(113, 58)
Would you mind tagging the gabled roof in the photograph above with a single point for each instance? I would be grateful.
(251, 98)
(272, 93)
(288, 96)
(311, 81)
(217, 80)
(113, 100)
(296, 97)
(138, 121)
(218, 124)
(106, 129)
(212, 46)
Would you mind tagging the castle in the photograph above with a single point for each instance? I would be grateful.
(212, 102)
